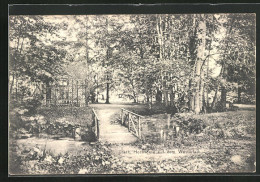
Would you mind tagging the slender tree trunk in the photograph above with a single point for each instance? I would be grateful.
(161, 55)
(197, 88)
(199, 70)
(107, 99)
(207, 90)
(77, 91)
(172, 98)
(12, 84)
(147, 98)
(223, 97)
(48, 93)
(16, 86)
(165, 94)
(97, 90)
(202, 84)
(214, 98)
(224, 73)
(166, 97)
(72, 94)
(239, 95)
(86, 93)
(223, 89)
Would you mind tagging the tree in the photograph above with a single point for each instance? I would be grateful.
(33, 54)
(238, 54)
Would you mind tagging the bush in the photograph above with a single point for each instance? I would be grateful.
(189, 125)
(32, 105)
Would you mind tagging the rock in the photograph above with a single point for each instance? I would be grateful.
(88, 136)
(22, 111)
(77, 134)
(82, 171)
(92, 143)
(49, 159)
(42, 121)
(31, 118)
(236, 159)
(61, 160)
(144, 147)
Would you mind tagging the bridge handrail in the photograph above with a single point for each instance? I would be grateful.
(96, 121)
(132, 113)
(136, 127)
(93, 110)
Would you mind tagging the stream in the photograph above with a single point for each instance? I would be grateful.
(55, 145)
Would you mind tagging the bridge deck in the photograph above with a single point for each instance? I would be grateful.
(112, 132)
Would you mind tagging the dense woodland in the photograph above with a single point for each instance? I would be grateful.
(192, 61)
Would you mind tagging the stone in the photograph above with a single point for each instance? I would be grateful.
(77, 135)
(236, 159)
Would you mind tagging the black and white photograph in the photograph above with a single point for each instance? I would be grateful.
(132, 94)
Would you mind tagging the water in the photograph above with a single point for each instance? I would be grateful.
(56, 146)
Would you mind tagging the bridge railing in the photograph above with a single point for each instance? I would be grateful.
(132, 121)
(96, 123)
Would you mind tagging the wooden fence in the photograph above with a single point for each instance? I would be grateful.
(132, 121)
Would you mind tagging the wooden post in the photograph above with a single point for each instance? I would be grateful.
(55, 96)
(97, 90)
(97, 128)
(161, 135)
(107, 99)
(77, 93)
(16, 87)
(86, 95)
(72, 102)
(68, 91)
(164, 136)
(139, 127)
(177, 130)
(129, 121)
(122, 116)
(168, 120)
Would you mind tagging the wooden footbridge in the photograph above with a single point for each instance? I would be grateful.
(127, 130)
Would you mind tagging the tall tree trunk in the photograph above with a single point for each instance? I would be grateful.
(158, 96)
(12, 85)
(77, 91)
(191, 96)
(86, 93)
(107, 98)
(172, 95)
(223, 89)
(165, 94)
(16, 86)
(239, 94)
(197, 88)
(214, 98)
(48, 93)
(207, 89)
(161, 53)
(199, 70)
(202, 101)
(223, 98)
(224, 72)
(134, 97)
(216, 92)
(17, 50)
